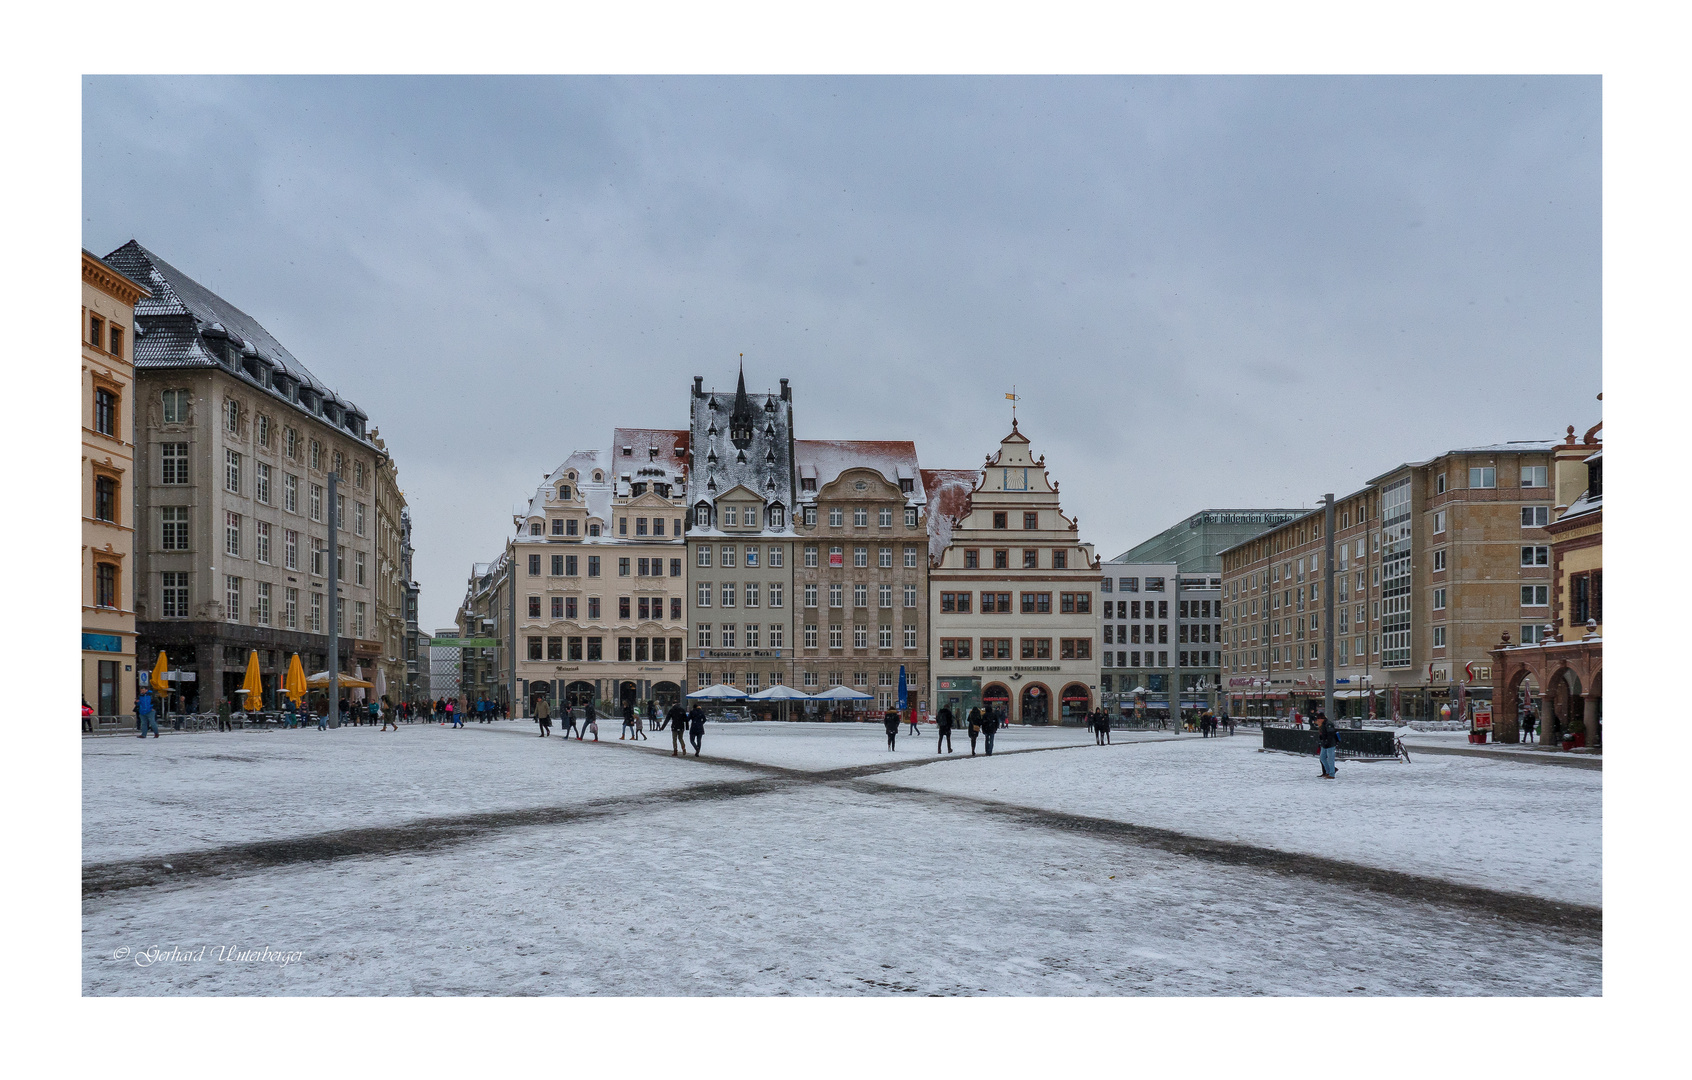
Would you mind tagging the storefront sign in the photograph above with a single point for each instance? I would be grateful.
(101, 642)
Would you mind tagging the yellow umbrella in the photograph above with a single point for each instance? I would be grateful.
(296, 684)
(253, 685)
(157, 682)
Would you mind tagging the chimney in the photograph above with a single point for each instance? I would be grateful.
(699, 386)
(786, 393)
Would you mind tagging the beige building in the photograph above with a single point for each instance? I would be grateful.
(1011, 597)
(601, 581)
(108, 489)
(1433, 561)
(740, 538)
(860, 584)
(395, 599)
(236, 441)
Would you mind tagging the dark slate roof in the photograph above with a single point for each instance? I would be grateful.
(765, 466)
(180, 309)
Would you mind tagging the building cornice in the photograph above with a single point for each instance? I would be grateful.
(124, 290)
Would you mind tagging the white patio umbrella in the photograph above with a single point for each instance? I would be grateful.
(717, 692)
(779, 692)
(840, 693)
(358, 691)
(381, 684)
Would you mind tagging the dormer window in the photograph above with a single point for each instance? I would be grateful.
(807, 484)
(593, 528)
(598, 477)
(536, 528)
(637, 489)
(628, 451)
(778, 517)
(702, 515)
(906, 485)
(564, 493)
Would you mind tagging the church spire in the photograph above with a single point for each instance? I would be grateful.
(741, 419)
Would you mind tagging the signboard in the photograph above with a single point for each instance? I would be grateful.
(836, 558)
(101, 642)
(1483, 720)
(464, 643)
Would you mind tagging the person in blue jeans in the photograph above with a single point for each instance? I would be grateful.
(144, 714)
(1328, 738)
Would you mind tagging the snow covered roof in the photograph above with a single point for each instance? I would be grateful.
(949, 492)
(1519, 446)
(764, 464)
(825, 459)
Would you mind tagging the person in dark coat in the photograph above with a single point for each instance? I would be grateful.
(589, 717)
(943, 724)
(677, 719)
(628, 720)
(696, 727)
(974, 728)
(543, 716)
(223, 723)
(891, 723)
(989, 727)
(1328, 738)
(1104, 725)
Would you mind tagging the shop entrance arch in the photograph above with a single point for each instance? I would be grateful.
(1036, 704)
(627, 692)
(666, 694)
(1077, 702)
(997, 696)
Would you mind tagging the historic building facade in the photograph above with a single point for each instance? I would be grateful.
(740, 537)
(1433, 561)
(860, 584)
(601, 576)
(1559, 672)
(396, 593)
(235, 444)
(108, 488)
(1139, 633)
(1012, 621)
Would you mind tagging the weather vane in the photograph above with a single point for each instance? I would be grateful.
(1013, 399)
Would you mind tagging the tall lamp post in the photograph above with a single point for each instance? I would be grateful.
(334, 603)
(1328, 605)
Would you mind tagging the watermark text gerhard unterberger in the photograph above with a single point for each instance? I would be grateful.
(202, 954)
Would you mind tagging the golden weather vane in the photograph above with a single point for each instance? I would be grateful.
(1013, 399)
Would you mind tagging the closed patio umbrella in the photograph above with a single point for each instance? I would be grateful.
(253, 685)
(157, 681)
(296, 682)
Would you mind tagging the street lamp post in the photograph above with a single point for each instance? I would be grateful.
(334, 604)
(1328, 604)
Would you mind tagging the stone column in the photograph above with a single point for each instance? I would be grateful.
(1591, 718)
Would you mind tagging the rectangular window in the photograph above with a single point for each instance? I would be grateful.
(358, 519)
(175, 595)
(1001, 519)
(910, 596)
(173, 463)
(534, 607)
(314, 502)
(1034, 603)
(291, 609)
(593, 566)
(910, 637)
(1030, 519)
(810, 596)
(775, 594)
(810, 635)
(836, 593)
(534, 565)
(1001, 559)
(261, 482)
(1533, 476)
(704, 558)
(595, 648)
(884, 594)
(557, 565)
(1535, 595)
(1439, 637)
(884, 517)
(317, 613)
(623, 567)
(1535, 517)
(1536, 555)
(1077, 649)
(860, 556)
(534, 645)
(884, 636)
(860, 517)
(358, 565)
(810, 555)
(860, 596)
(1000, 603)
(860, 636)
(910, 517)
(1036, 648)
(884, 558)
(173, 528)
(232, 599)
(972, 559)
(1439, 560)
(261, 541)
(1438, 602)
(836, 516)
(836, 638)
(749, 594)
(264, 603)
(231, 533)
(1060, 559)
(1030, 558)
(573, 648)
(728, 594)
(232, 471)
(1486, 477)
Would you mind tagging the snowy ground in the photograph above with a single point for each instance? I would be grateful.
(819, 885)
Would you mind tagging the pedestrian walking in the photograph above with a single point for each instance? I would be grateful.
(974, 728)
(1328, 738)
(696, 727)
(376, 713)
(891, 723)
(454, 715)
(543, 716)
(390, 716)
(943, 724)
(989, 727)
(589, 717)
(87, 716)
(323, 718)
(144, 715)
(677, 719)
(628, 720)
(914, 729)
(1104, 724)
(223, 723)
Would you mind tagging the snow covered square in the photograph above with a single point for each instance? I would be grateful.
(807, 859)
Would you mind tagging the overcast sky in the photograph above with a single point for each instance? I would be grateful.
(1210, 292)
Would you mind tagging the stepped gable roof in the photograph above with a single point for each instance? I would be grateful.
(180, 308)
(823, 460)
